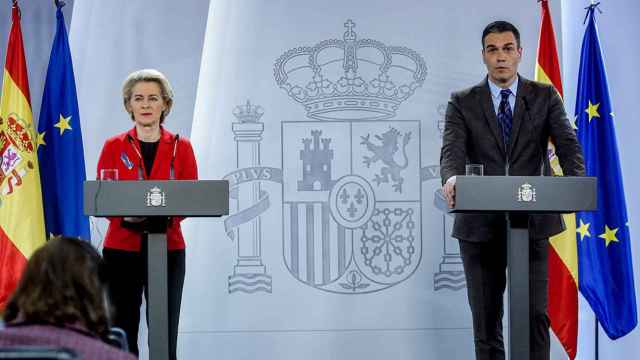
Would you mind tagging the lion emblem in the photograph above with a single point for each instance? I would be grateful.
(386, 152)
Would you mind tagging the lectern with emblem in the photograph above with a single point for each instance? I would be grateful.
(150, 198)
(516, 195)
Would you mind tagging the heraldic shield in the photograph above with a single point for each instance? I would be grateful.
(351, 177)
(351, 203)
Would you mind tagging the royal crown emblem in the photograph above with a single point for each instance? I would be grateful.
(156, 197)
(18, 131)
(527, 193)
(248, 113)
(350, 79)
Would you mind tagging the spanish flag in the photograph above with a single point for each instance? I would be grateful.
(563, 252)
(21, 214)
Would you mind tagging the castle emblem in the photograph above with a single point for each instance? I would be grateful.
(316, 163)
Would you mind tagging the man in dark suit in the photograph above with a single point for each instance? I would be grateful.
(504, 124)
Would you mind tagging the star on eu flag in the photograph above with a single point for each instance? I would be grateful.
(40, 139)
(583, 230)
(609, 235)
(592, 110)
(63, 124)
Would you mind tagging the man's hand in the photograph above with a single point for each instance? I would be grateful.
(449, 191)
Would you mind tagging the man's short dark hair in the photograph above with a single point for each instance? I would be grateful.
(497, 27)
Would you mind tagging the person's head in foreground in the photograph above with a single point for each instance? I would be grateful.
(62, 285)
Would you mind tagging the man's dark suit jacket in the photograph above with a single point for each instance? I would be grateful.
(472, 136)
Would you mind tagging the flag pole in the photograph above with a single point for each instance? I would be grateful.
(597, 347)
(597, 338)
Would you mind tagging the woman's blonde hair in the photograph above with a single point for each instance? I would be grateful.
(148, 75)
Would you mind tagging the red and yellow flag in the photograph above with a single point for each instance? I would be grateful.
(21, 215)
(563, 252)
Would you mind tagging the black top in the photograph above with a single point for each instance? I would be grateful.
(156, 223)
(148, 150)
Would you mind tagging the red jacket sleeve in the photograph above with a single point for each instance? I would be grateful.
(105, 161)
(188, 168)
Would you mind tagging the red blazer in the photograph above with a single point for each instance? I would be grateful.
(122, 152)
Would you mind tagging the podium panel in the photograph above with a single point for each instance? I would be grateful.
(530, 194)
(192, 198)
(524, 195)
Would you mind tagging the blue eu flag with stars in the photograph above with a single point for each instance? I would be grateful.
(604, 248)
(60, 151)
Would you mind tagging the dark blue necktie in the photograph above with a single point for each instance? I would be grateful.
(505, 117)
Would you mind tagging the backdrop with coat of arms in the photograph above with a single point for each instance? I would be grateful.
(327, 121)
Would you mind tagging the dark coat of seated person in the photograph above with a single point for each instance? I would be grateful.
(61, 302)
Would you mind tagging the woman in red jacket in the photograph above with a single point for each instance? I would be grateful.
(146, 152)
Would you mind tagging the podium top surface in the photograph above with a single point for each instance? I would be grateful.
(194, 198)
(529, 194)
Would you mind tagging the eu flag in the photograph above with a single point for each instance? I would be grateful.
(60, 151)
(604, 249)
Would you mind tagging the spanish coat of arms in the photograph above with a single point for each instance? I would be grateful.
(351, 176)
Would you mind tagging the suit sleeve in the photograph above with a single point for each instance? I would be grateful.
(564, 137)
(453, 152)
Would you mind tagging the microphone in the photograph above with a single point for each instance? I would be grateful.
(140, 169)
(173, 157)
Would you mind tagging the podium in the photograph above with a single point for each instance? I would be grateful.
(522, 195)
(191, 198)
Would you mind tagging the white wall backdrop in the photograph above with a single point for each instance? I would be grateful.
(251, 297)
